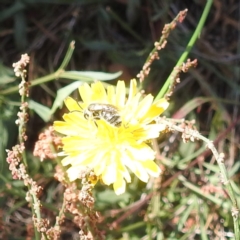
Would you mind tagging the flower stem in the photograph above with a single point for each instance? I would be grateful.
(191, 43)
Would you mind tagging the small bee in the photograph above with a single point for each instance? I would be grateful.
(108, 112)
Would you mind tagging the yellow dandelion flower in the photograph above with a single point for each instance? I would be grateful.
(107, 133)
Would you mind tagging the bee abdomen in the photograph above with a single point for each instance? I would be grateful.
(107, 112)
(115, 120)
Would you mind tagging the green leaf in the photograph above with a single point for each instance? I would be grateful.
(43, 111)
(187, 211)
(186, 149)
(6, 75)
(63, 93)
(235, 188)
(89, 76)
(211, 167)
(234, 169)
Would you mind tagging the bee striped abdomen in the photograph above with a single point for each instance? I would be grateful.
(107, 112)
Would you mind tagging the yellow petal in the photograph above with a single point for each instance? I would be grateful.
(120, 94)
(73, 173)
(119, 185)
(77, 161)
(152, 168)
(85, 92)
(132, 90)
(110, 174)
(72, 105)
(144, 106)
(155, 110)
(99, 158)
(150, 131)
(99, 93)
(129, 111)
(126, 175)
(162, 103)
(99, 169)
(141, 172)
(75, 124)
(64, 128)
(66, 161)
(141, 152)
(111, 95)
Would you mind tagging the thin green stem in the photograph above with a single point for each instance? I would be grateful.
(50, 77)
(68, 56)
(191, 43)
